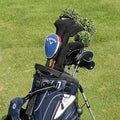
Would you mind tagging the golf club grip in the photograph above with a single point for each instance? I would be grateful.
(31, 106)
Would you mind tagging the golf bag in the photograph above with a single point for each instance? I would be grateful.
(58, 100)
(54, 92)
(53, 97)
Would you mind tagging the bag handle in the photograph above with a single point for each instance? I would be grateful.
(42, 69)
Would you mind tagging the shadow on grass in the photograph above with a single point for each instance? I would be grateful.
(6, 118)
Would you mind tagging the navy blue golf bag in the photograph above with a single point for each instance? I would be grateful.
(54, 92)
(58, 103)
(53, 97)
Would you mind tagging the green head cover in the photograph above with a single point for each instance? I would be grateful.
(86, 23)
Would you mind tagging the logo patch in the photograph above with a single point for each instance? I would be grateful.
(14, 106)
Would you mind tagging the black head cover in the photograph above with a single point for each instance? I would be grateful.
(86, 56)
(67, 26)
(87, 65)
(67, 55)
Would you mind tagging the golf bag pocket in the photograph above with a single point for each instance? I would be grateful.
(58, 103)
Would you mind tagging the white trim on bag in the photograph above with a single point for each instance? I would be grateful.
(41, 101)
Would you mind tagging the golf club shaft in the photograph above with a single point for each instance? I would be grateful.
(67, 68)
(76, 69)
(52, 63)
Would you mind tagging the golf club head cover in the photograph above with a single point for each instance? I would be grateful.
(59, 65)
(67, 25)
(87, 65)
(62, 24)
(15, 107)
(65, 28)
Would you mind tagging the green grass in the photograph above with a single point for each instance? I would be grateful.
(24, 26)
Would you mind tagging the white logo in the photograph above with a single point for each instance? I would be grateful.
(14, 106)
(51, 40)
(65, 18)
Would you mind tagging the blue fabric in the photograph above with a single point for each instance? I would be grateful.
(51, 44)
(71, 90)
(15, 106)
(47, 106)
(48, 100)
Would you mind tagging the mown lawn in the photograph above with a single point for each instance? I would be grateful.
(24, 25)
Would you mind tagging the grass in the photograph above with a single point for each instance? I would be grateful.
(24, 26)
